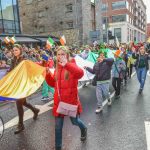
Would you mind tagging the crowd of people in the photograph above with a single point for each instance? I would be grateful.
(64, 82)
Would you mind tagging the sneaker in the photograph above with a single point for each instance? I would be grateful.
(98, 110)
(83, 134)
(84, 85)
(109, 102)
(140, 91)
(45, 98)
(117, 96)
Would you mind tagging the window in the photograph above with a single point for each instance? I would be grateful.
(119, 5)
(28, 2)
(105, 20)
(93, 1)
(104, 7)
(69, 8)
(119, 18)
(9, 14)
(7, 10)
(69, 24)
(117, 33)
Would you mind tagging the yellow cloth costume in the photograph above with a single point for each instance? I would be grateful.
(22, 81)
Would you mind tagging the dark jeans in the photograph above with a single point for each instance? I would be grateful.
(116, 82)
(59, 125)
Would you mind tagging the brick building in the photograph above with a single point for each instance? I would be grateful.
(125, 19)
(73, 18)
(148, 30)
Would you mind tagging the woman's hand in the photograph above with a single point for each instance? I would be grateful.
(63, 61)
(47, 70)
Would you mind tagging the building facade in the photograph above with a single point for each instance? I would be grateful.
(73, 18)
(148, 30)
(9, 17)
(124, 19)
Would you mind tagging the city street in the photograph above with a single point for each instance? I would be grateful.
(123, 126)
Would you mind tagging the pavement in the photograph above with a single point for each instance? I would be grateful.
(123, 126)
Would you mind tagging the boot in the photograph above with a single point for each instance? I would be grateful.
(19, 129)
(83, 134)
(36, 112)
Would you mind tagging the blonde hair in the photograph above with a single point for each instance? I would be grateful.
(67, 51)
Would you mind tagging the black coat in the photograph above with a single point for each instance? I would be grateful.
(102, 70)
(137, 57)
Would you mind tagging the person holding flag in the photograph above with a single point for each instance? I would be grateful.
(48, 63)
(102, 71)
(17, 53)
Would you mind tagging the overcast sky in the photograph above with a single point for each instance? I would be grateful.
(147, 2)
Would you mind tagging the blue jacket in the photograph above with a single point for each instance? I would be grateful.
(102, 70)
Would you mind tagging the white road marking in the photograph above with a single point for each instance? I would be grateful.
(133, 74)
(29, 114)
(43, 108)
(148, 73)
(147, 130)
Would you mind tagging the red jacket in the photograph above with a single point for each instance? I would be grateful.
(67, 88)
(49, 63)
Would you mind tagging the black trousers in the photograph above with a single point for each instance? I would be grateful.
(20, 103)
(116, 82)
(130, 70)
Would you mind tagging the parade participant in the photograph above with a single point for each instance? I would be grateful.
(85, 55)
(85, 52)
(141, 66)
(102, 71)
(49, 63)
(17, 58)
(65, 82)
(130, 62)
(118, 72)
(125, 58)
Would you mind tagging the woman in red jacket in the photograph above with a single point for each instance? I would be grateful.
(65, 82)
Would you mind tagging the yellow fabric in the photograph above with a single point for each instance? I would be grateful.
(131, 60)
(23, 80)
(148, 40)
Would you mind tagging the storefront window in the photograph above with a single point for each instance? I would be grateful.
(117, 33)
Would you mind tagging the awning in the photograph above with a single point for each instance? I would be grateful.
(24, 39)
(44, 39)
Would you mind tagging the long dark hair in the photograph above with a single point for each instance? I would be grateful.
(19, 47)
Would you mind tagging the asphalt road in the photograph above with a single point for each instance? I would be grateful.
(119, 127)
